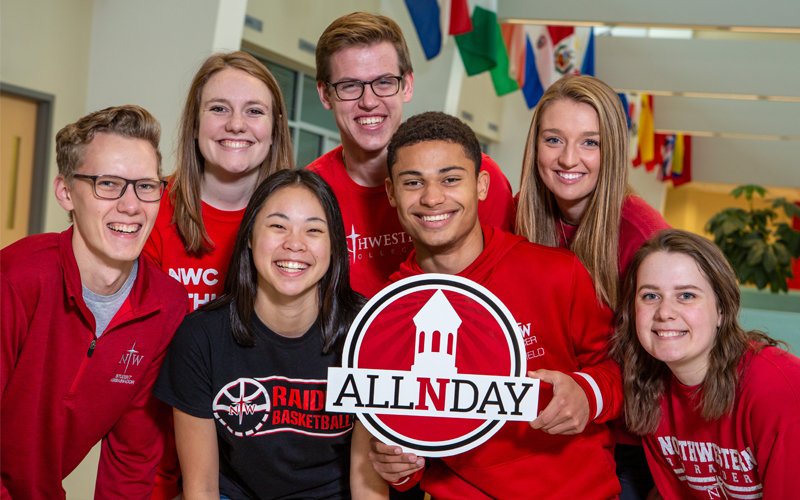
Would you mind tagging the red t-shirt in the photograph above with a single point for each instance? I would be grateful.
(376, 241)
(202, 276)
(751, 453)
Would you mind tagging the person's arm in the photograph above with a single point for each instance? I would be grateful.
(401, 470)
(594, 393)
(13, 328)
(778, 462)
(196, 439)
(365, 483)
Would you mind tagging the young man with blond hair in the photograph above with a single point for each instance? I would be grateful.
(86, 320)
(364, 75)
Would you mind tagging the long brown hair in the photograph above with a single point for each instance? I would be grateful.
(185, 185)
(644, 376)
(597, 239)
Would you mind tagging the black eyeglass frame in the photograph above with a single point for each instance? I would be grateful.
(124, 188)
(364, 85)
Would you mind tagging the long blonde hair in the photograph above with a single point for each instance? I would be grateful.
(185, 185)
(597, 239)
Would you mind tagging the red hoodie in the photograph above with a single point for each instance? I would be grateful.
(57, 400)
(565, 328)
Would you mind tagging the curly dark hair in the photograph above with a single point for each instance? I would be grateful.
(435, 126)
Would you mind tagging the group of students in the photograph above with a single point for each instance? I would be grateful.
(277, 262)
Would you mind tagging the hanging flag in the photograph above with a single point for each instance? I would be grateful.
(682, 160)
(543, 53)
(503, 82)
(532, 89)
(587, 65)
(658, 148)
(478, 48)
(425, 15)
(563, 41)
(624, 99)
(646, 133)
(514, 39)
(667, 153)
(634, 111)
(460, 22)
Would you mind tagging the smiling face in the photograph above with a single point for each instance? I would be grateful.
(568, 155)
(677, 315)
(234, 131)
(436, 193)
(369, 122)
(291, 246)
(110, 233)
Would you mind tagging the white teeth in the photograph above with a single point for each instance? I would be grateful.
(570, 175)
(124, 228)
(671, 333)
(370, 120)
(434, 218)
(291, 266)
(235, 144)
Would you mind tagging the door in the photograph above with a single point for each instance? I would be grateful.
(17, 141)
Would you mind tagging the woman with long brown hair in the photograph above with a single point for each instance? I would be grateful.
(574, 194)
(234, 133)
(718, 407)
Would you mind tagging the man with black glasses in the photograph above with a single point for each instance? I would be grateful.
(86, 321)
(364, 75)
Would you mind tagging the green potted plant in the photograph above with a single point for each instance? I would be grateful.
(759, 249)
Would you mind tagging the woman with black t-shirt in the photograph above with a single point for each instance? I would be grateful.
(248, 390)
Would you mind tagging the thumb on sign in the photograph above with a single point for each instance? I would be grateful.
(568, 411)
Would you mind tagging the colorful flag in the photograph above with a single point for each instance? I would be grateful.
(532, 89)
(460, 22)
(425, 15)
(514, 39)
(478, 48)
(667, 153)
(543, 52)
(624, 99)
(646, 133)
(503, 82)
(587, 66)
(635, 112)
(682, 160)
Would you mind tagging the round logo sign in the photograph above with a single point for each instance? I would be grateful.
(242, 406)
(446, 341)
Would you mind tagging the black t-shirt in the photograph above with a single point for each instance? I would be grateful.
(268, 402)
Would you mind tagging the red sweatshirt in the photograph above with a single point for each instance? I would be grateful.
(638, 222)
(751, 453)
(551, 296)
(375, 239)
(57, 400)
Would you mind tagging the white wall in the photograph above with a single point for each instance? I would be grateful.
(146, 53)
(44, 46)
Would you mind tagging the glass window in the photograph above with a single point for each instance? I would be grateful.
(286, 79)
(313, 110)
(308, 148)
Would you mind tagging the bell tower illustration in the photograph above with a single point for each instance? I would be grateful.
(437, 334)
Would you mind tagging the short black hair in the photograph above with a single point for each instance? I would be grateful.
(435, 126)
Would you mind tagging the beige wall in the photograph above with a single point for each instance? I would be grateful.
(44, 46)
(690, 207)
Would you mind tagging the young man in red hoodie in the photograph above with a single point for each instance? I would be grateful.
(86, 321)
(364, 76)
(435, 184)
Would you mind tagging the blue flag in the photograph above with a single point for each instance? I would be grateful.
(425, 14)
(624, 99)
(587, 68)
(532, 90)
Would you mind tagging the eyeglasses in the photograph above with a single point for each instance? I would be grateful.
(352, 90)
(111, 187)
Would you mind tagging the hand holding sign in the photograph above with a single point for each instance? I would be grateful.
(568, 411)
(391, 463)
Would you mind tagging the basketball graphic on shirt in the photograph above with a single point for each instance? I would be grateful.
(440, 330)
(242, 406)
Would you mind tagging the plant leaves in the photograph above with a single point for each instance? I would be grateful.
(770, 260)
(756, 253)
